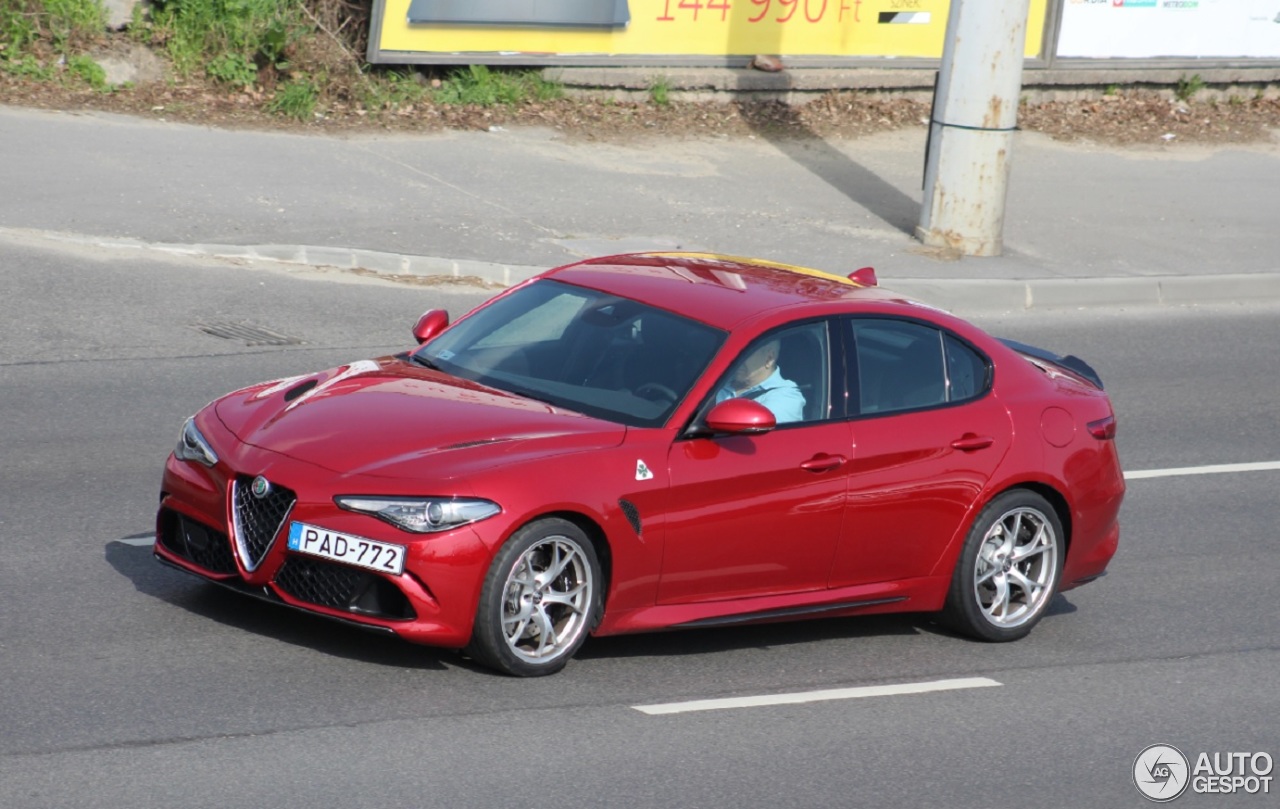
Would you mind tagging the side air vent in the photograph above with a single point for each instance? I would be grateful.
(198, 543)
(632, 514)
(343, 588)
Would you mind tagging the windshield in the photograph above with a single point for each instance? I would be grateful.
(595, 353)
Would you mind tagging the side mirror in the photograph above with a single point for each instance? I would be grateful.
(741, 417)
(430, 324)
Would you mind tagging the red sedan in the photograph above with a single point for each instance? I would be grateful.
(656, 441)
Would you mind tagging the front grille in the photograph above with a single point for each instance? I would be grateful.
(341, 587)
(258, 519)
(197, 543)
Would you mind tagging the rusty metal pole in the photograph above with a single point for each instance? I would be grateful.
(975, 112)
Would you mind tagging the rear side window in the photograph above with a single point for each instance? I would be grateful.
(966, 370)
(901, 365)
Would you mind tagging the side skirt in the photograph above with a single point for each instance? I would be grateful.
(788, 613)
(925, 594)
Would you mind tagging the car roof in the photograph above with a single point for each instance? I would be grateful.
(719, 290)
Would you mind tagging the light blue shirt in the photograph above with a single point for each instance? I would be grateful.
(781, 396)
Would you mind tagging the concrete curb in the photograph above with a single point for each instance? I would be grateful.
(913, 77)
(1012, 295)
(902, 77)
(390, 264)
(381, 263)
(961, 295)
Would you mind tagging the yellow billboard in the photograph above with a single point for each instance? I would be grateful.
(688, 31)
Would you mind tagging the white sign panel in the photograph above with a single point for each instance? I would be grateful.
(1173, 28)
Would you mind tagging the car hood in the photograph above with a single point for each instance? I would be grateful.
(390, 418)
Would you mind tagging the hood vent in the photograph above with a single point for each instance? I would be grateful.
(476, 443)
(298, 390)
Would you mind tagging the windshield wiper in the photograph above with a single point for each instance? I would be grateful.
(418, 359)
(525, 393)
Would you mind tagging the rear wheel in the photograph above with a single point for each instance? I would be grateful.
(1008, 570)
(540, 598)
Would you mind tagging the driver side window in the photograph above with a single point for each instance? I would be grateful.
(787, 371)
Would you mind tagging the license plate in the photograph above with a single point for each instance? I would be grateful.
(346, 548)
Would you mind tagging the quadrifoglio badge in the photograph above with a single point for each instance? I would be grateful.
(1161, 773)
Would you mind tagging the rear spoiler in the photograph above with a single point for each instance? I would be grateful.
(1070, 362)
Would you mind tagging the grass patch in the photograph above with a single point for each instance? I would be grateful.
(234, 69)
(299, 55)
(1186, 88)
(391, 89)
(226, 39)
(73, 21)
(18, 30)
(481, 86)
(660, 91)
(296, 99)
(88, 71)
(45, 40)
(63, 25)
(28, 67)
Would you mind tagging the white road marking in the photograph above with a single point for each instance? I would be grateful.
(138, 542)
(1218, 469)
(815, 696)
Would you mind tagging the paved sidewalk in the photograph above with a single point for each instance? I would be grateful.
(1085, 226)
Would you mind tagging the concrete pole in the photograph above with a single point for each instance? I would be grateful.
(975, 111)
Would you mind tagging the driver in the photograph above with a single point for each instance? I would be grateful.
(757, 377)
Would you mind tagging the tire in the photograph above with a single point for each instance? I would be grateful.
(1009, 569)
(540, 599)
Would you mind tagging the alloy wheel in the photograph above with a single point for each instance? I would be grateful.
(1016, 566)
(547, 598)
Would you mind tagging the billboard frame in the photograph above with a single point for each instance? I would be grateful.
(1046, 59)
(379, 56)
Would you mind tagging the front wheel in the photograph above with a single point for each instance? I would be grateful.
(1008, 570)
(540, 598)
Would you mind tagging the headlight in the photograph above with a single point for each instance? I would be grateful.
(422, 515)
(193, 447)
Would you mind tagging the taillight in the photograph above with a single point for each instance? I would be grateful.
(1103, 429)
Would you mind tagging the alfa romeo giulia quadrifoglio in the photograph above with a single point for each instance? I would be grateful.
(657, 441)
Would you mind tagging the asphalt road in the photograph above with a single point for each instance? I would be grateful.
(126, 684)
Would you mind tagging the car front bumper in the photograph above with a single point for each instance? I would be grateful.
(433, 602)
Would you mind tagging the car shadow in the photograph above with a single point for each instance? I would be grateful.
(278, 622)
(1058, 606)
(286, 625)
(713, 640)
(784, 128)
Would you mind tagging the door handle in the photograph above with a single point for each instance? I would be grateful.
(970, 442)
(822, 462)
